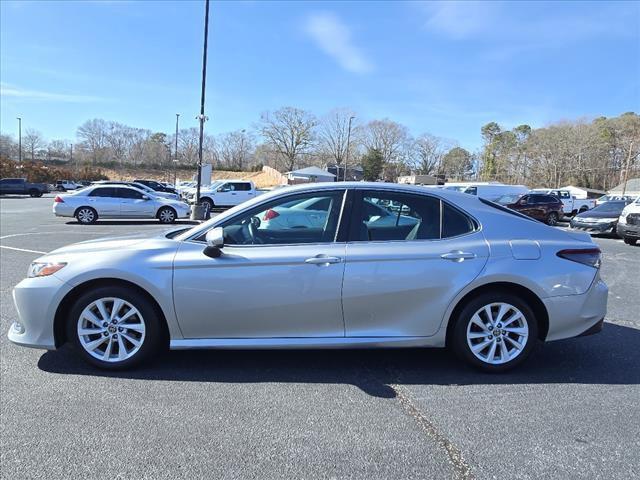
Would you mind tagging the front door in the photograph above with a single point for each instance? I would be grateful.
(405, 265)
(270, 281)
(134, 204)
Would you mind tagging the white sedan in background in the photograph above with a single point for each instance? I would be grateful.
(117, 201)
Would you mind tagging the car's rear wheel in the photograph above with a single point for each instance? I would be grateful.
(495, 332)
(630, 241)
(33, 193)
(167, 215)
(552, 219)
(86, 215)
(208, 202)
(114, 327)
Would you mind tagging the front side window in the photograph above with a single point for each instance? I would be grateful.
(286, 221)
(386, 216)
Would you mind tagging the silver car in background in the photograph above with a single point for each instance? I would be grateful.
(466, 273)
(106, 200)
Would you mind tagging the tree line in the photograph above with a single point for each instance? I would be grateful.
(588, 153)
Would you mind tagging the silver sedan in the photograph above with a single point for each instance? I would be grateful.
(467, 274)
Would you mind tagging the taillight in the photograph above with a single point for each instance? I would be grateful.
(58, 199)
(587, 256)
(270, 215)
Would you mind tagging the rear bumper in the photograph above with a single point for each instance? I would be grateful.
(574, 315)
(627, 230)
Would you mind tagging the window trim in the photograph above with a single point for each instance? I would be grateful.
(356, 213)
(339, 226)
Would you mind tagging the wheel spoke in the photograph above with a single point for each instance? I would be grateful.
(90, 331)
(481, 346)
(117, 305)
(516, 330)
(88, 315)
(107, 351)
(491, 356)
(122, 351)
(131, 312)
(487, 312)
(138, 327)
(135, 342)
(476, 320)
(511, 319)
(504, 351)
(475, 335)
(103, 310)
(516, 344)
(95, 344)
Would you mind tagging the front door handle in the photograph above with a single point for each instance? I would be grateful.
(458, 256)
(321, 260)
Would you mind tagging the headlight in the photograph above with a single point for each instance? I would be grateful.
(40, 269)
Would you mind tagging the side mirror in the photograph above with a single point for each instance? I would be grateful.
(215, 242)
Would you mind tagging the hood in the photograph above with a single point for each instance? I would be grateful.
(592, 214)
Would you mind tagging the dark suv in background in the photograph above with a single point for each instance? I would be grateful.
(543, 207)
(157, 186)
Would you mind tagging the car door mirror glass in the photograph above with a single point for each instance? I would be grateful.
(215, 242)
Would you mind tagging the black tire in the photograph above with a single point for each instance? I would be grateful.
(153, 339)
(34, 193)
(167, 215)
(461, 346)
(630, 241)
(86, 215)
(208, 202)
(552, 219)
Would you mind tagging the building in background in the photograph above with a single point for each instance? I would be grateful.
(354, 173)
(632, 189)
(422, 179)
(309, 175)
(582, 193)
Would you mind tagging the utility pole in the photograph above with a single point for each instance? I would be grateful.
(626, 172)
(19, 139)
(198, 212)
(71, 157)
(175, 160)
(346, 160)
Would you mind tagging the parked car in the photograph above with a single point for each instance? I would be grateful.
(139, 186)
(601, 219)
(227, 193)
(493, 191)
(20, 186)
(614, 198)
(629, 223)
(546, 208)
(65, 185)
(117, 201)
(483, 280)
(571, 205)
(157, 186)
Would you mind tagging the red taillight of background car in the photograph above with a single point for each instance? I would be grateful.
(270, 215)
(58, 199)
(587, 256)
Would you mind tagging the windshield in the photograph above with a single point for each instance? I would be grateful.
(609, 207)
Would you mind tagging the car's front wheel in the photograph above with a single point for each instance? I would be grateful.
(167, 215)
(552, 219)
(630, 241)
(114, 327)
(495, 332)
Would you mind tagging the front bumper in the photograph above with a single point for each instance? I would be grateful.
(572, 315)
(628, 230)
(593, 227)
(36, 300)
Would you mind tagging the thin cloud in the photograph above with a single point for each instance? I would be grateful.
(17, 92)
(333, 37)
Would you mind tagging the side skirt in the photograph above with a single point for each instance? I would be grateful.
(302, 343)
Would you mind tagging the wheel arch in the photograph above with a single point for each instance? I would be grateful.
(536, 304)
(166, 206)
(75, 212)
(65, 305)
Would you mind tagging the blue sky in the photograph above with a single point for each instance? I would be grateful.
(443, 68)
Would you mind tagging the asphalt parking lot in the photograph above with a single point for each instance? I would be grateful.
(571, 412)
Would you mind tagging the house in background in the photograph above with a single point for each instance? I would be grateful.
(309, 175)
(632, 189)
(582, 193)
(354, 173)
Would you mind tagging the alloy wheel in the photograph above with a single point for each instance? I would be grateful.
(86, 215)
(111, 329)
(167, 215)
(497, 333)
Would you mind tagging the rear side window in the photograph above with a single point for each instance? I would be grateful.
(103, 192)
(454, 222)
(242, 187)
(128, 193)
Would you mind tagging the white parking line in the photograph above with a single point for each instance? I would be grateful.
(22, 249)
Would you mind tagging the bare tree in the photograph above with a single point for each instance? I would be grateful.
(235, 149)
(93, 133)
(33, 141)
(427, 152)
(393, 141)
(8, 146)
(334, 136)
(290, 132)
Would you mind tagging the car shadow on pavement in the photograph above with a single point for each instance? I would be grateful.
(611, 357)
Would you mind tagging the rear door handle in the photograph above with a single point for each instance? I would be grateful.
(458, 256)
(322, 260)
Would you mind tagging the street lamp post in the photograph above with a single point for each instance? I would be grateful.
(19, 139)
(346, 160)
(175, 160)
(198, 211)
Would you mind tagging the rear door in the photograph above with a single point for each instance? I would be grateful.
(242, 191)
(401, 274)
(104, 201)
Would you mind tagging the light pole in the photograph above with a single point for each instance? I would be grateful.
(346, 160)
(198, 212)
(175, 160)
(19, 139)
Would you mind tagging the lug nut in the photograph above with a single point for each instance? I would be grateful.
(105, 334)
(490, 337)
(115, 336)
(120, 329)
(105, 324)
(499, 325)
(499, 339)
(114, 321)
(490, 327)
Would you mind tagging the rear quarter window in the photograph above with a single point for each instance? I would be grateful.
(454, 222)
